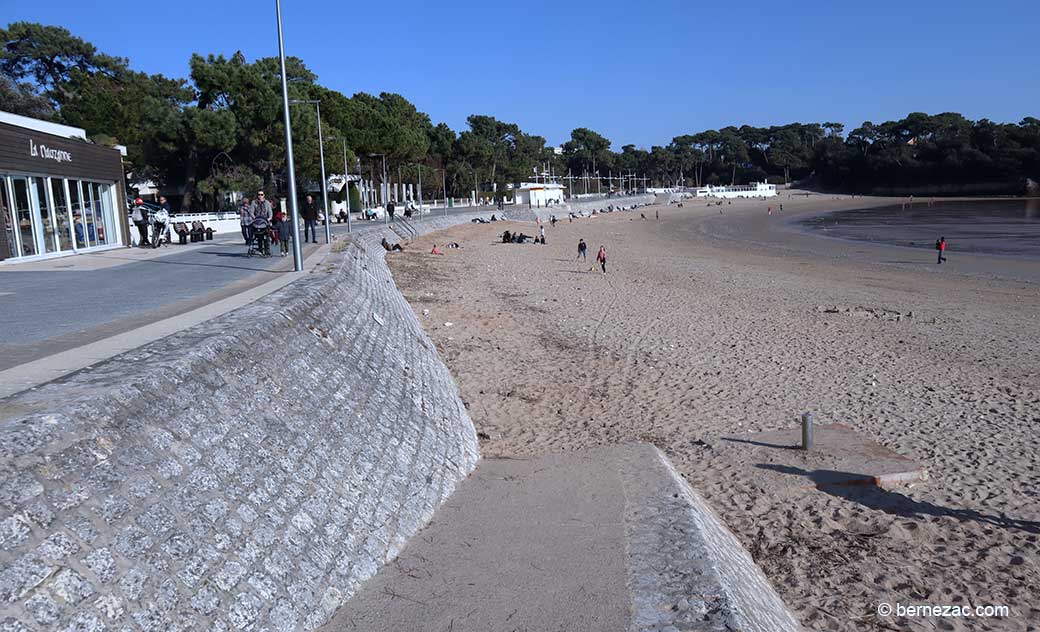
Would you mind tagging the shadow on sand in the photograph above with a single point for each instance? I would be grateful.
(894, 503)
(761, 443)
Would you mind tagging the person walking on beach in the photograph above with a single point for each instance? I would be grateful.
(940, 245)
(581, 250)
(601, 257)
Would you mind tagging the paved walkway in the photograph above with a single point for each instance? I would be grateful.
(60, 315)
(606, 539)
(48, 309)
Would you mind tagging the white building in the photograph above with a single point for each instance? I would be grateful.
(539, 194)
(753, 190)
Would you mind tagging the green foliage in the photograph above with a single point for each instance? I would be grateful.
(20, 98)
(222, 130)
(931, 154)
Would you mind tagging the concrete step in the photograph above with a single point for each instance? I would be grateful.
(605, 539)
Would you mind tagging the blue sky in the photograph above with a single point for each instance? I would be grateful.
(638, 73)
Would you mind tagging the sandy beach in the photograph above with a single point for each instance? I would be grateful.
(710, 327)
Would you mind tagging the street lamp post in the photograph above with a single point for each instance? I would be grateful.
(444, 183)
(383, 191)
(420, 191)
(321, 154)
(346, 181)
(297, 251)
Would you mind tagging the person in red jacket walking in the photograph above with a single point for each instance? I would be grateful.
(601, 258)
(940, 245)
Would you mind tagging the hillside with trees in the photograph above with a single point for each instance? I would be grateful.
(220, 129)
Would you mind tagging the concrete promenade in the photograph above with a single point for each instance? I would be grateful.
(60, 315)
(606, 539)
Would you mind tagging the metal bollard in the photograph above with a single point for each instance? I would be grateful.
(807, 431)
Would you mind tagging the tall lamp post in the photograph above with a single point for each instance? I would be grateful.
(384, 193)
(297, 251)
(321, 154)
(347, 180)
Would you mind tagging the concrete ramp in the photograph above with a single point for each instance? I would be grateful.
(604, 539)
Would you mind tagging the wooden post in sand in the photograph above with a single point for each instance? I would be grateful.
(807, 431)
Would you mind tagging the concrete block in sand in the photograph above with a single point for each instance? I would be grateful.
(840, 456)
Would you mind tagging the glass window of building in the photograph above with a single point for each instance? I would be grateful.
(43, 215)
(7, 219)
(79, 225)
(23, 215)
(61, 214)
(101, 223)
(88, 213)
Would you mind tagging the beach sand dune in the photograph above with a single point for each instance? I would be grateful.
(709, 327)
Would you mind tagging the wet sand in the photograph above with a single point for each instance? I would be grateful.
(709, 327)
(997, 226)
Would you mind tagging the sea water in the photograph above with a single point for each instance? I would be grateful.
(1002, 227)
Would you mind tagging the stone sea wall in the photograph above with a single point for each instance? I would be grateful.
(245, 474)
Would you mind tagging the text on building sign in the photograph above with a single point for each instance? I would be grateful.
(48, 153)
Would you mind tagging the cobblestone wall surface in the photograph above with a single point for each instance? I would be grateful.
(249, 480)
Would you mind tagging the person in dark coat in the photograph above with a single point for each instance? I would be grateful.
(283, 226)
(310, 219)
(390, 210)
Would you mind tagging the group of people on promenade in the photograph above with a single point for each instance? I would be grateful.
(140, 217)
(259, 214)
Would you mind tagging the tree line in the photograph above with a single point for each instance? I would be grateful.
(221, 129)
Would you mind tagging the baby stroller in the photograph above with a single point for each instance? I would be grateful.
(260, 246)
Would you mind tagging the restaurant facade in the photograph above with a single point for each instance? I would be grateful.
(59, 193)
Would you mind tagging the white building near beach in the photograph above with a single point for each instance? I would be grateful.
(539, 194)
(753, 190)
